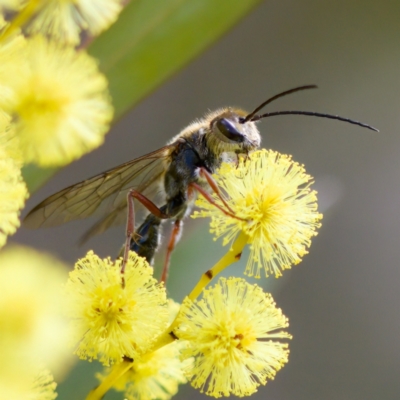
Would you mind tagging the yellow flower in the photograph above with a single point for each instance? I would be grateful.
(64, 20)
(59, 102)
(9, 143)
(154, 375)
(13, 193)
(231, 333)
(115, 315)
(32, 329)
(277, 210)
(43, 387)
(10, 4)
(12, 65)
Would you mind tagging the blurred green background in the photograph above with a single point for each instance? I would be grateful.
(343, 299)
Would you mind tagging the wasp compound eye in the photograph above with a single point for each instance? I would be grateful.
(229, 130)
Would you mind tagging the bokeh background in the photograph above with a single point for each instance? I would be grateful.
(343, 300)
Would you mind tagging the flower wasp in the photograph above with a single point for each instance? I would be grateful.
(165, 182)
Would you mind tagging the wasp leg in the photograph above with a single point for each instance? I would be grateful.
(213, 185)
(210, 199)
(175, 236)
(156, 213)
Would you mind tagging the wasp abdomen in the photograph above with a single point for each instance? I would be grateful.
(147, 238)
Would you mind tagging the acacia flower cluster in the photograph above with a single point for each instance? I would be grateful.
(62, 90)
(54, 107)
(233, 335)
(274, 206)
(54, 103)
(58, 88)
(66, 20)
(33, 329)
(115, 315)
(44, 386)
(13, 193)
(227, 343)
(157, 374)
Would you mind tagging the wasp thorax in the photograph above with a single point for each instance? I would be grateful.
(229, 133)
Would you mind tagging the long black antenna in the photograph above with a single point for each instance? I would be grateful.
(253, 117)
(296, 89)
(313, 114)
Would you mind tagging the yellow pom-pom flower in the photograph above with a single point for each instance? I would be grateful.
(59, 103)
(276, 209)
(9, 143)
(10, 5)
(12, 65)
(64, 20)
(115, 315)
(13, 193)
(156, 375)
(43, 387)
(33, 331)
(232, 334)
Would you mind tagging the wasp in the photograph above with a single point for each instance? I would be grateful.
(164, 182)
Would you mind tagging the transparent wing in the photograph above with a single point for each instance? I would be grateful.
(104, 193)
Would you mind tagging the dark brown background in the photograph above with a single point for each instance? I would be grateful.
(343, 299)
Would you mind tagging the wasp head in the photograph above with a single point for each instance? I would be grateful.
(228, 132)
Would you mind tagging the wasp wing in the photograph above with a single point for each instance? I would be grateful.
(117, 213)
(105, 193)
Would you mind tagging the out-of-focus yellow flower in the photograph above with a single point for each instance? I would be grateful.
(10, 5)
(32, 330)
(115, 315)
(12, 65)
(13, 193)
(9, 143)
(154, 375)
(232, 334)
(59, 103)
(43, 387)
(271, 195)
(64, 20)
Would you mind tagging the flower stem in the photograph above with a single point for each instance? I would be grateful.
(229, 258)
(117, 371)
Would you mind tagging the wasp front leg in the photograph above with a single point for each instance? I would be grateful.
(214, 187)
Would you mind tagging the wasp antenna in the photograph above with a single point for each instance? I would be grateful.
(270, 100)
(314, 114)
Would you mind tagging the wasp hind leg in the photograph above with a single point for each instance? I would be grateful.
(175, 236)
(145, 241)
